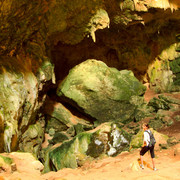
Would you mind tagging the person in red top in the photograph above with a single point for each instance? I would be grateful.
(146, 146)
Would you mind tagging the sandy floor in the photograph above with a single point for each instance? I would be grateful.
(126, 166)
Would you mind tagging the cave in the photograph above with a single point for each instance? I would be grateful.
(75, 77)
(134, 47)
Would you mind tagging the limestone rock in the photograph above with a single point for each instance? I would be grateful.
(164, 71)
(65, 27)
(62, 114)
(61, 123)
(99, 21)
(5, 163)
(87, 145)
(102, 92)
(157, 104)
(20, 100)
(32, 139)
(165, 108)
(26, 163)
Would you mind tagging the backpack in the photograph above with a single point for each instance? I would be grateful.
(152, 139)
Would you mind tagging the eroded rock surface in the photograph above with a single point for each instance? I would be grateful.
(102, 92)
(105, 139)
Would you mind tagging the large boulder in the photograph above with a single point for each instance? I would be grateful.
(107, 139)
(102, 92)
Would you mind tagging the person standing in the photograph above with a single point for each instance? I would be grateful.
(148, 145)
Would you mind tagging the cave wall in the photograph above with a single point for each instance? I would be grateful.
(126, 34)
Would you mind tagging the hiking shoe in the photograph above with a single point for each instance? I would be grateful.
(154, 169)
(142, 166)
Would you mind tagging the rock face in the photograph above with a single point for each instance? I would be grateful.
(20, 101)
(61, 124)
(102, 92)
(105, 139)
(64, 26)
(164, 72)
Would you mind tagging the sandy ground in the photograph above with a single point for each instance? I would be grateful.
(126, 166)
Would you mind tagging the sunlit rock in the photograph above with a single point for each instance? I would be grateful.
(102, 92)
(5, 163)
(164, 71)
(26, 161)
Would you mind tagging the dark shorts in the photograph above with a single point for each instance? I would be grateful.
(147, 148)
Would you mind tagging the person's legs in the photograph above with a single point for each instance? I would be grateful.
(141, 165)
(152, 156)
(142, 152)
(153, 163)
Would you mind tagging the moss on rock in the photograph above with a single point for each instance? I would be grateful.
(32, 139)
(107, 139)
(102, 92)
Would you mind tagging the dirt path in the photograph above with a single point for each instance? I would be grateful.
(124, 166)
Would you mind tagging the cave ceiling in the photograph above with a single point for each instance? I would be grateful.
(126, 34)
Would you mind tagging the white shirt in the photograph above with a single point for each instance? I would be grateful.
(147, 137)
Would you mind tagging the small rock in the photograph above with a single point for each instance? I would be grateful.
(163, 146)
(13, 167)
(135, 166)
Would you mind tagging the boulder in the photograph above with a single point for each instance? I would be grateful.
(158, 103)
(104, 93)
(58, 112)
(5, 163)
(166, 108)
(106, 139)
(61, 123)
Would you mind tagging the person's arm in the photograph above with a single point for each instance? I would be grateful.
(145, 139)
(144, 143)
